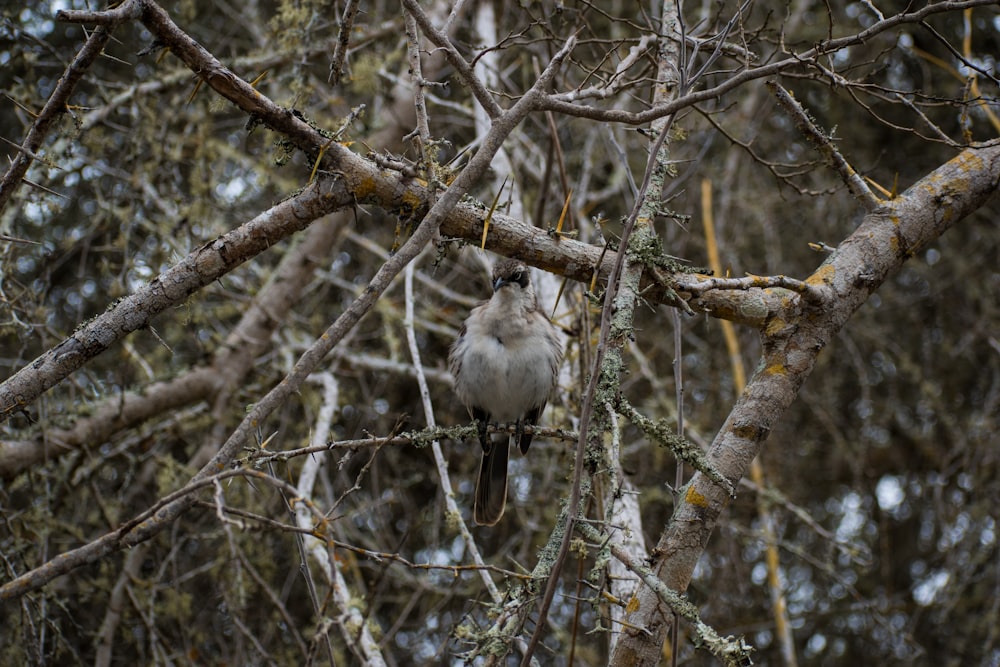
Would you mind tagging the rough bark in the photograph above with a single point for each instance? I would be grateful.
(792, 340)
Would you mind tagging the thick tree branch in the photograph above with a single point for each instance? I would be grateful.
(357, 180)
(139, 530)
(876, 250)
(126, 443)
(203, 266)
(229, 365)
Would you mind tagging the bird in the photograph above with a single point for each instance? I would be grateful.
(505, 363)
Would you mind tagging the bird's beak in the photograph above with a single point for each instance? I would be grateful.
(500, 282)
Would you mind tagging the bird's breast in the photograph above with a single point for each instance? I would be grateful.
(505, 370)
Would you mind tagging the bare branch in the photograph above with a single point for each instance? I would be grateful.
(732, 651)
(697, 285)
(129, 10)
(53, 108)
(879, 247)
(563, 102)
(164, 514)
(343, 40)
(463, 68)
(203, 266)
(805, 124)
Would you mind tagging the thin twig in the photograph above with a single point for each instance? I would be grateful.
(307, 516)
(462, 67)
(417, 80)
(439, 461)
(343, 40)
(732, 650)
(566, 103)
(826, 147)
(53, 108)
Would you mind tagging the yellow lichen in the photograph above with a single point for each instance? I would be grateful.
(364, 189)
(694, 498)
(775, 326)
(410, 200)
(822, 275)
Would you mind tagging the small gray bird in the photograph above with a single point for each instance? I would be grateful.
(505, 364)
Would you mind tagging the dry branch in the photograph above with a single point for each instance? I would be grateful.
(151, 523)
(878, 248)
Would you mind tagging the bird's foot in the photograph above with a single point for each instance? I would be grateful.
(484, 439)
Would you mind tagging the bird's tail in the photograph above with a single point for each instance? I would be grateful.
(491, 489)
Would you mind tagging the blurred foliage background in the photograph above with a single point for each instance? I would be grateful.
(883, 478)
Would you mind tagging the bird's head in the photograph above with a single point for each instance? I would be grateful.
(510, 272)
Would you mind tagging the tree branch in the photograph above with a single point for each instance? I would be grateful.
(826, 147)
(878, 248)
(53, 108)
(139, 530)
(562, 103)
(136, 311)
(462, 67)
